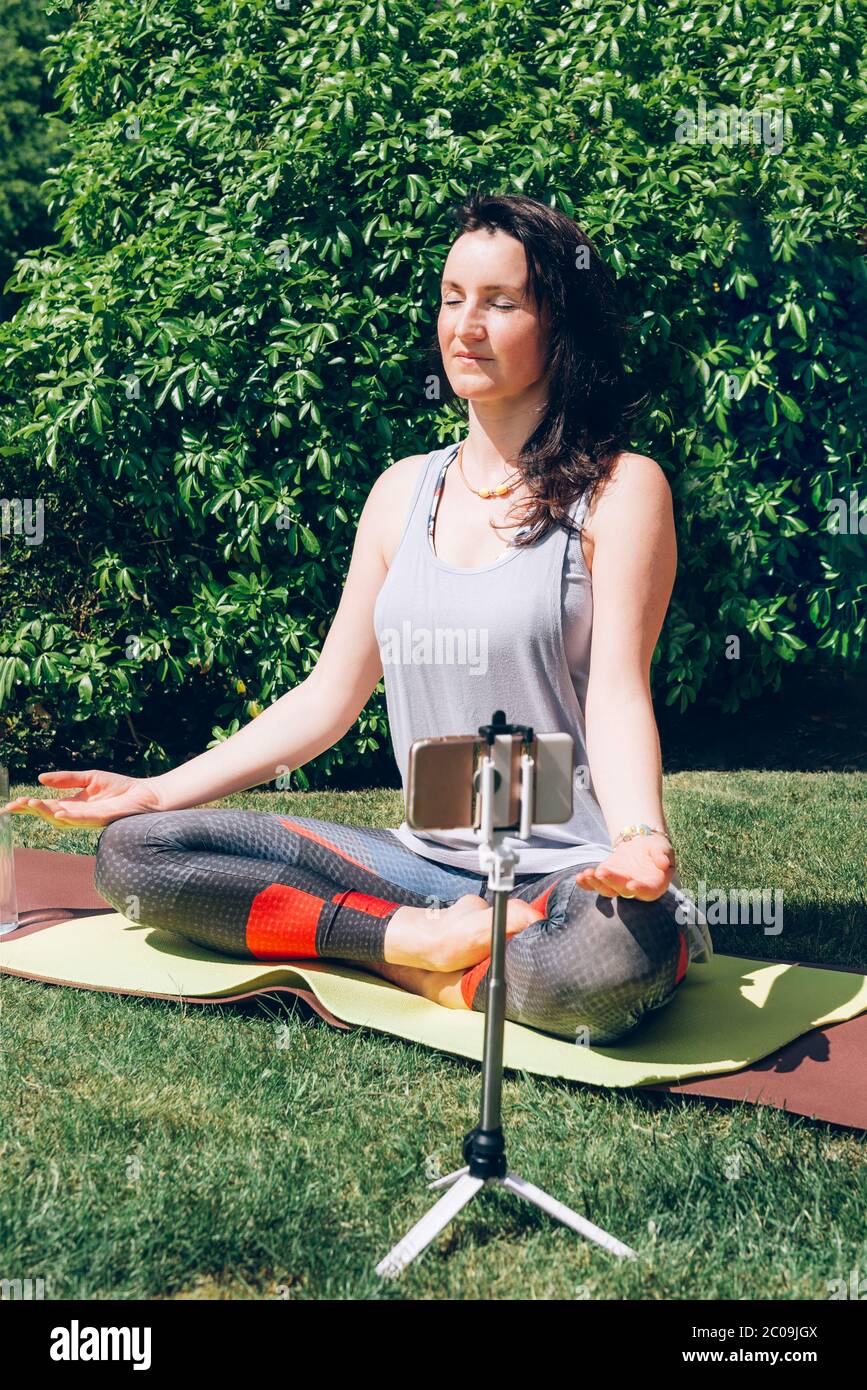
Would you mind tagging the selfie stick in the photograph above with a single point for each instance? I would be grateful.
(484, 1146)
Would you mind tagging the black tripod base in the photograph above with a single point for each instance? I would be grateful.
(485, 1152)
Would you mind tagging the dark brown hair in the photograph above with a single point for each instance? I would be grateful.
(585, 425)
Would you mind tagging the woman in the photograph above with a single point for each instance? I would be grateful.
(528, 334)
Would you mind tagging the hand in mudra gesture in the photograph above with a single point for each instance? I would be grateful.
(642, 867)
(101, 798)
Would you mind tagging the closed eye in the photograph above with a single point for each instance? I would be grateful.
(450, 302)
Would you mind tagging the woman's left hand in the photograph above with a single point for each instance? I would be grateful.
(642, 867)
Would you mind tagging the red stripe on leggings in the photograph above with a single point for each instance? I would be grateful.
(329, 844)
(682, 960)
(542, 901)
(282, 922)
(471, 978)
(363, 902)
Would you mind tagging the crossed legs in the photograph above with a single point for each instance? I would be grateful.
(257, 885)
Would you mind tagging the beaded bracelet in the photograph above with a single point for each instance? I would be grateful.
(630, 831)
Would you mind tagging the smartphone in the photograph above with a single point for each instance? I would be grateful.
(444, 778)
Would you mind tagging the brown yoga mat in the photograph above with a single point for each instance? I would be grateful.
(822, 1074)
(54, 886)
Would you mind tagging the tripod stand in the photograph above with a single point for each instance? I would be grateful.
(484, 1147)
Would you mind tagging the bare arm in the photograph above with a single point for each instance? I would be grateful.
(315, 714)
(634, 564)
(290, 732)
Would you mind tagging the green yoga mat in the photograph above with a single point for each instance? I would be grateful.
(725, 1015)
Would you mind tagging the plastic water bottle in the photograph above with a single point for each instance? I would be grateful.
(8, 899)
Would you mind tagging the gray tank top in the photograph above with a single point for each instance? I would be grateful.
(457, 644)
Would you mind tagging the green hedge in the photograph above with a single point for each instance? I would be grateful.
(31, 136)
(226, 342)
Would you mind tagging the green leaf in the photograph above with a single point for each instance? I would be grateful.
(798, 320)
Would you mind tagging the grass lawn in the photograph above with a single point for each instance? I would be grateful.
(152, 1150)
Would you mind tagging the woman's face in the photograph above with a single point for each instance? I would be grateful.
(487, 310)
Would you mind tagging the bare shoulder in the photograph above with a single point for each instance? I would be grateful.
(401, 474)
(637, 486)
(391, 495)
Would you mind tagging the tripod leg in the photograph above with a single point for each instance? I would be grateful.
(560, 1212)
(430, 1225)
(449, 1178)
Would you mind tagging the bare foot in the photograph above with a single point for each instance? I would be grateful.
(442, 987)
(453, 938)
(463, 927)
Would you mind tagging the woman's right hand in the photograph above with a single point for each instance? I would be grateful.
(102, 797)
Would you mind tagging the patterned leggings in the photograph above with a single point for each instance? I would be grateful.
(260, 886)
